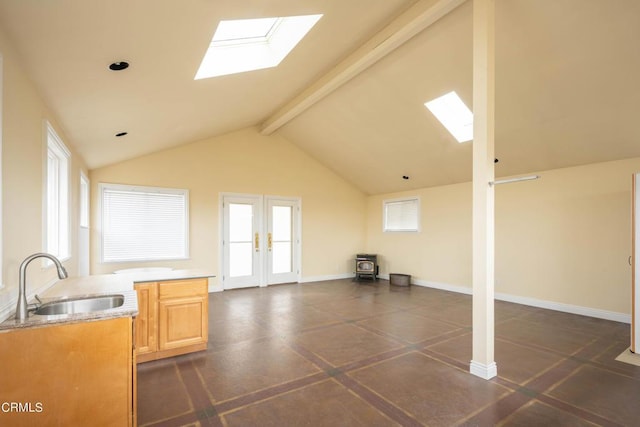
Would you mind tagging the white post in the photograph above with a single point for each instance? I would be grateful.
(635, 266)
(482, 362)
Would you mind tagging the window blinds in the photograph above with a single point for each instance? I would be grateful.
(142, 224)
(401, 215)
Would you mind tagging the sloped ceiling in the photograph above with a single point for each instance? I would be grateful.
(567, 86)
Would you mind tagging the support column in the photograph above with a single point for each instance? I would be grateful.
(482, 362)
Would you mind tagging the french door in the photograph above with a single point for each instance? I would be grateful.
(260, 240)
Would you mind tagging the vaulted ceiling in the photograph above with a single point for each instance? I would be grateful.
(351, 94)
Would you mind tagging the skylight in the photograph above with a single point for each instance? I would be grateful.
(253, 44)
(454, 115)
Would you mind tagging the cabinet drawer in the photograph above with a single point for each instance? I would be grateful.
(182, 288)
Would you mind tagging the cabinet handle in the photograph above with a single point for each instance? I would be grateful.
(257, 242)
(630, 260)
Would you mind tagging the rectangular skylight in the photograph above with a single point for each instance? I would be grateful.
(243, 29)
(253, 44)
(454, 115)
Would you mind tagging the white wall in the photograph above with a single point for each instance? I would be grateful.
(23, 172)
(564, 238)
(333, 211)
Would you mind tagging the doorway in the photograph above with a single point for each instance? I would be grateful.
(260, 240)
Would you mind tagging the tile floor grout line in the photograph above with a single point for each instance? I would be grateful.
(197, 391)
(378, 402)
(558, 374)
(445, 359)
(490, 414)
(539, 385)
(244, 400)
(579, 412)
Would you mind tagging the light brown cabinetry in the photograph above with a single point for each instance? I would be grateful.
(173, 318)
(69, 375)
(147, 319)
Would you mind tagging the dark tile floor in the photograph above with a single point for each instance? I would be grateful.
(344, 353)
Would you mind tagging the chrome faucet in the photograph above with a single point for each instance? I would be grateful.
(22, 309)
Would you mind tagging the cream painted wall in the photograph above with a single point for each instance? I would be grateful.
(333, 211)
(564, 238)
(23, 154)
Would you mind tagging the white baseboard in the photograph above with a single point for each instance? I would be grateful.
(443, 286)
(567, 308)
(327, 277)
(483, 371)
(534, 302)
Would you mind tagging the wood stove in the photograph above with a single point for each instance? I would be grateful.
(367, 266)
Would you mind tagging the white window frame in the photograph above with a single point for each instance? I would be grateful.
(141, 189)
(56, 215)
(85, 201)
(387, 202)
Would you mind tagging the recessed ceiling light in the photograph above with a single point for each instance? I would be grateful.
(454, 115)
(119, 66)
(253, 44)
(119, 134)
(405, 177)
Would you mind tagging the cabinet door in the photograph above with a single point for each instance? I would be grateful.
(68, 375)
(182, 322)
(146, 339)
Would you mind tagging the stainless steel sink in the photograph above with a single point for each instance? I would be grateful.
(80, 305)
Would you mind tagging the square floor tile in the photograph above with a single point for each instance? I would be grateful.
(345, 343)
(605, 393)
(161, 392)
(355, 308)
(539, 414)
(520, 364)
(407, 326)
(249, 367)
(234, 330)
(457, 314)
(434, 393)
(323, 404)
(296, 320)
(554, 338)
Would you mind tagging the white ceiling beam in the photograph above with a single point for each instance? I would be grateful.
(415, 20)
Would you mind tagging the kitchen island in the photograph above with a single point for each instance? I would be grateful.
(71, 369)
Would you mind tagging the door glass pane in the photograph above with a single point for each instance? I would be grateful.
(282, 239)
(281, 257)
(281, 223)
(240, 259)
(240, 240)
(240, 222)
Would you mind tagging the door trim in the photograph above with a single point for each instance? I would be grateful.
(297, 235)
(262, 230)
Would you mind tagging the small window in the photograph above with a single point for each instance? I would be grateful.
(84, 201)
(144, 223)
(57, 200)
(401, 214)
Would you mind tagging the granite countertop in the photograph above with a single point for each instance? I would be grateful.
(103, 284)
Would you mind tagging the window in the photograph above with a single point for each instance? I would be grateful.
(84, 201)
(454, 115)
(253, 44)
(57, 198)
(144, 223)
(401, 214)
